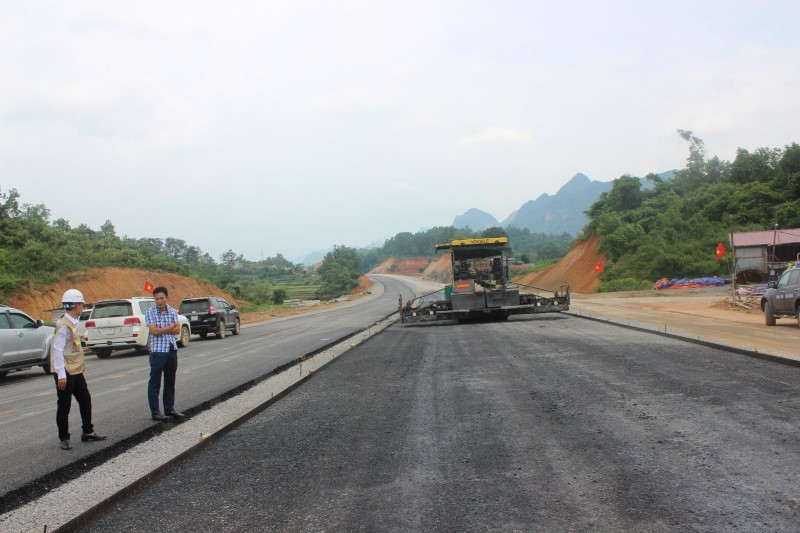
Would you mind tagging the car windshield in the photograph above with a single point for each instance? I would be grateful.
(145, 305)
(112, 310)
(194, 306)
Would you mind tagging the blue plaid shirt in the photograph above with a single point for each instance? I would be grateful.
(162, 343)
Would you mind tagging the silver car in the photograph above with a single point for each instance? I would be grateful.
(24, 342)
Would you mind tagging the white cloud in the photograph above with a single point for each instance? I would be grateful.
(402, 186)
(498, 135)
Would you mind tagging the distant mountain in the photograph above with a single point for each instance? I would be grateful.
(559, 213)
(562, 212)
(476, 220)
(312, 258)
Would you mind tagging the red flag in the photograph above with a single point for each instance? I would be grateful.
(720, 252)
(148, 287)
(598, 267)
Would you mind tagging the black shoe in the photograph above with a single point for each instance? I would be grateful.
(93, 436)
(176, 415)
(65, 445)
(160, 418)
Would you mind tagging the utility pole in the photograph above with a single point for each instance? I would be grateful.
(774, 235)
(733, 269)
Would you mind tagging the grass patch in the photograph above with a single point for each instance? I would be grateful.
(247, 307)
(301, 292)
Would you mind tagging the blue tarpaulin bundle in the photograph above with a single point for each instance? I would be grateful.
(685, 283)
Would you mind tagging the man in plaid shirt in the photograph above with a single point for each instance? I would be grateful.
(162, 320)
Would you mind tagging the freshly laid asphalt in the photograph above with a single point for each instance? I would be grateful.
(539, 423)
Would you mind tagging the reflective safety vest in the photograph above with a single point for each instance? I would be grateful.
(73, 351)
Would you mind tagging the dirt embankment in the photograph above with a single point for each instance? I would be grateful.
(412, 266)
(576, 269)
(109, 283)
(440, 269)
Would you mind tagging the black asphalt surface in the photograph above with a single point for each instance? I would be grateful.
(207, 369)
(539, 423)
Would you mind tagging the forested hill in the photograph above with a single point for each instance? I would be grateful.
(673, 229)
(669, 230)
(35, 251)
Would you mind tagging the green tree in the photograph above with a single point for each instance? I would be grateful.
(279, 294)
(9, 204)
(625, 194)
(339, 271)
(494, 232)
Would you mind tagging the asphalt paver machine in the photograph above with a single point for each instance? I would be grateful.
(481, 287)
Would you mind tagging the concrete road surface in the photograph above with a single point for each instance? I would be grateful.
(540, 423)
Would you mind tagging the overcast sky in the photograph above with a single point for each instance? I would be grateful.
(286, 127)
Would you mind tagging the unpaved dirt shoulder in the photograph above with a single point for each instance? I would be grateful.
(703, 314)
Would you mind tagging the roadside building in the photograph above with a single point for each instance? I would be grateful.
(764, 255)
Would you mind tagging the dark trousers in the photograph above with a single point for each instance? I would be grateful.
(76, 386)
(166, 363)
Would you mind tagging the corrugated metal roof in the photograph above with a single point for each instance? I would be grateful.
(762, 238)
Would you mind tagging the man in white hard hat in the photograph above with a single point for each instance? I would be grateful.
(66, 362)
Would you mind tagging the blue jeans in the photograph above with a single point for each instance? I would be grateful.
(166, 362)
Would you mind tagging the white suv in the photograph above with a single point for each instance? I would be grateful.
(120, 325)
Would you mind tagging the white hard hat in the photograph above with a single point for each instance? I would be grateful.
(73, 296)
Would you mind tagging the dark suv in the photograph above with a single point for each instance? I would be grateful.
(210, 314)
(782, 298)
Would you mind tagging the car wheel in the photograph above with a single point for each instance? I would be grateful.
(203, 335)
(769, 315)
(183, 342)
(221, 331)
(103, 353)
(797, 312)
(236, 327)
(46, 367)
(141, 349)
(3, 373)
